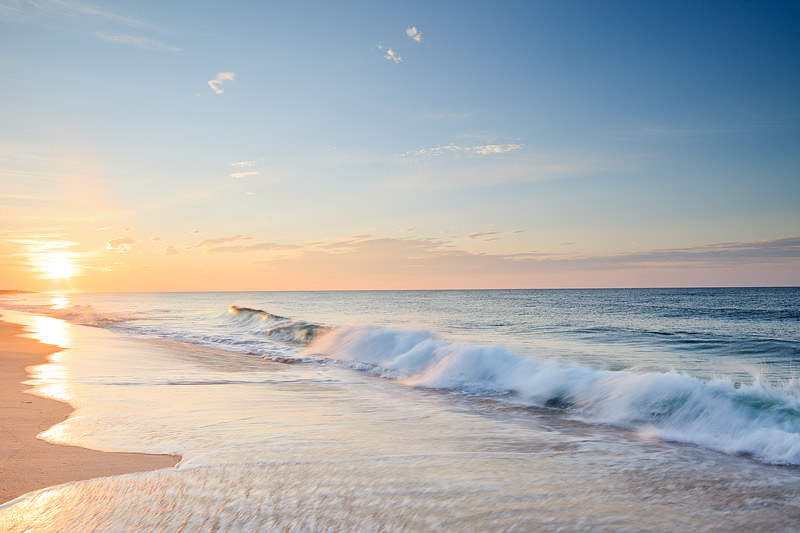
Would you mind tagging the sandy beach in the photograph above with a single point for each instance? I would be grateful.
(27, 463)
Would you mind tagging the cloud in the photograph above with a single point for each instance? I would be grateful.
(390, 54)
(61, 11)
(486, 149)
(431, 263)
(196, 232)
(223, 245)
(342, 244)
(120, 245)
(415, 34)
(222, 240)
(243, 174)
(256, 247)
(408, 230)
(170, 250)
(512, 232)
(135, 40)
(216, 83)
(155, 239)
(243, 164)
(449, 167)
(494, 148)
(775, 250)
(474, 236)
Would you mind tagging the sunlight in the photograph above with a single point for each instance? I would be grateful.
(56, 265)
(51, 331)
(59, 302)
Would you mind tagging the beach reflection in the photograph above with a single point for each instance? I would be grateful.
(51, 380)
(50, 331)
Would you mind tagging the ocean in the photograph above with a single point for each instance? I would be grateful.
(490, 410)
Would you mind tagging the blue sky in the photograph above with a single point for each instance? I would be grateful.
(378, 145)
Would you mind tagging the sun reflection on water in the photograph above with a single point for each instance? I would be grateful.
(59, 302)
(51, 331)
(51, 378)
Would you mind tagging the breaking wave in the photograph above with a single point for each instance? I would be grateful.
(85, 315)
(274, 326)
(758, 419)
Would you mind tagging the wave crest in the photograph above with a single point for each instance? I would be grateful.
(758, 419)
(274, 326)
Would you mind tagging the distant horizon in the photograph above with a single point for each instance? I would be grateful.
(12, 291)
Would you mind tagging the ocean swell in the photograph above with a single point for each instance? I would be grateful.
(759, 419)
(276, 327)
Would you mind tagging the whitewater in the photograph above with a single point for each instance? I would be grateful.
(420, 410)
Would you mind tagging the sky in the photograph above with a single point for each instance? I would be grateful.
(178, 146)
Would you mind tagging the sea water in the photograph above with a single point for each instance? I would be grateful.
(656, 409)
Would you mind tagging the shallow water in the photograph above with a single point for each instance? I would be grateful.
(319, 445)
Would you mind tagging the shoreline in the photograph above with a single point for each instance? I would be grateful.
(28, 463)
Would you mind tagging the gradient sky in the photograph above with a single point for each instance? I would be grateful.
(380, 145)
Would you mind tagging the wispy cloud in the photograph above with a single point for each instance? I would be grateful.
(244, 164)
(222, 240)
(486, 149)
(390, 54)
(235, 244)
(774, 250)
(135, 40)
(120, 245)
(478, 235)
(255, 247)
(451, 166)
(414, 262)
(341, 244)
(243, 174)
(414, 33)
(216, 83)
(59, 10)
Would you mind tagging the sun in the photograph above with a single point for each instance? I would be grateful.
(57, 266)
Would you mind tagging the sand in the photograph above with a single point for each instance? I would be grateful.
(27, 463)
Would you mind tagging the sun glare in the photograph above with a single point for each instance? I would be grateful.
(57, 266)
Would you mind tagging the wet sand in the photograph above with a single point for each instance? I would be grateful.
(27, 463)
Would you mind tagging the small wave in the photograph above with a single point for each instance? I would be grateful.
(274, 326)
(759, 419)
(84, 315)
(250, 312)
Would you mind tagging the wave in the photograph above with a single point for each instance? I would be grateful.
(758, 419)
(85, 315)
(274, 326)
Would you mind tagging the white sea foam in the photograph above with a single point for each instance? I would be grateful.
(758, 419)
